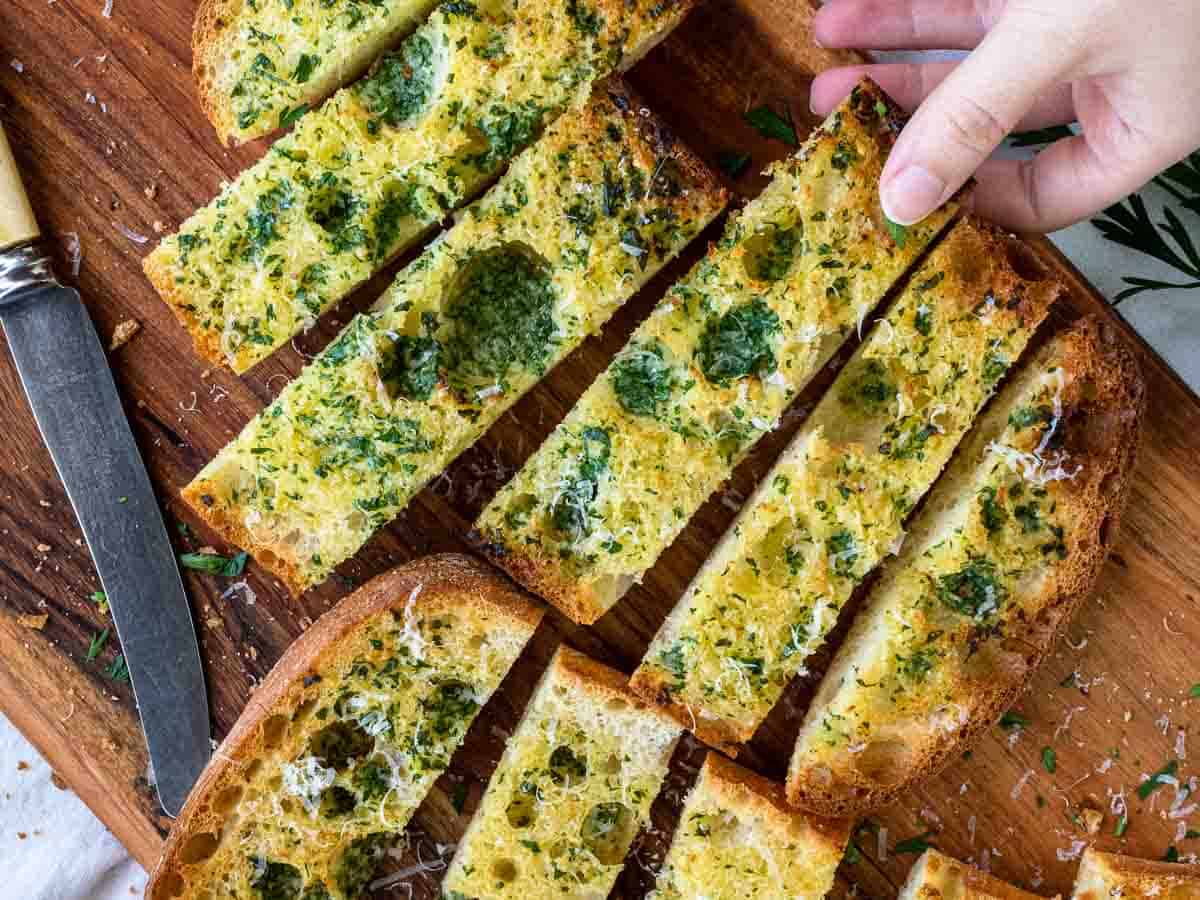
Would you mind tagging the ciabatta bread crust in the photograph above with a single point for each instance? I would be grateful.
(1111, 876)
(449, 585)
(936, 876)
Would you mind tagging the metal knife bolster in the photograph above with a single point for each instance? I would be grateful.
(24, 267)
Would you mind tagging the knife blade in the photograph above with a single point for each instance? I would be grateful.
(74, 400)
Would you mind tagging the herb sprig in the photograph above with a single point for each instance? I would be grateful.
(1130, 225)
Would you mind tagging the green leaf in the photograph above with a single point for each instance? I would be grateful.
(771, 124)
(1049, 760)
(733, 164)
(1191, 835)
(214, 563)
(918, 844)
(97, 645)
(1154, 782)
(119, 671)
(1172, 854)
(1122, 825)
(853, 854)
(1195, 691)
(1013, 719)
(898, 232)
(289, 116)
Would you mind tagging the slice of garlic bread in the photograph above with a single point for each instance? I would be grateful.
(737, 839)
(376, 167)
(578, 224)
(1003, 552)
(936, 876)
(834, 504)
(258, 66)
(1110, 876)
(570, 793)
(342, 741)
(711, 370)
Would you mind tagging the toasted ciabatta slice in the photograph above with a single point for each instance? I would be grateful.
(260, 65)
(379, 165)
(711, 370)
(341, 742)
(737, 839)
(579, 223)
(938, 877)
(834, 504)
(998, 560)
(1110, 876)
(571, 791)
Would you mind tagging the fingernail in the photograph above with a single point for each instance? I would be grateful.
(912, 194)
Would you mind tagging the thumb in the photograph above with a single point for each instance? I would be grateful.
(966, 117)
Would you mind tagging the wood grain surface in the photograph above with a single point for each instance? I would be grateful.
(105, 126)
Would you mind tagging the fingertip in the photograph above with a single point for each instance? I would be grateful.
(833, 25)
(911, 194)
(832, 87)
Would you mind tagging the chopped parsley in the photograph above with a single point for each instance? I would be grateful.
(642, 379)
(1155, 781)
(918, 844)
(571, 511)
(410, 367)
(973, 590)
(733, 164)
(400, 88)
(1049, 760)
(738, 343)
(1013, 719)
(771, 124)
(215, 564)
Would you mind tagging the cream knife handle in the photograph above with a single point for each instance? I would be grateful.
(17, 223)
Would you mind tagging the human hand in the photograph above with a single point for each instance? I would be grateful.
(1126, 70)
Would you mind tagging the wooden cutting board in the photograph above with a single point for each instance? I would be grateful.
(102, 115)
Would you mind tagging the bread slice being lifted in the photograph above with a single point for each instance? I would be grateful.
(346, 735)
(1111, 876)
(1005, 550)
(834, 504)
(711, 370)
(737, 839)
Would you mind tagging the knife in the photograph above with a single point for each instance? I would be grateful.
(74, 400)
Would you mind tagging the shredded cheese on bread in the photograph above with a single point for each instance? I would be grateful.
(377, 166)
(737, 839)
(711, 370)
(992, 570)
(341, 743)
(834, 504)
(578, 224)
(571, 792)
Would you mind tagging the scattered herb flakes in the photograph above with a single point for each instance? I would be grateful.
(918, 844)
(898, 232)
(101, 600)
(1195, 691)
(1192, 834)
(1049, 760)
(119, 671)
(214, 563)
(1155, 781)
(771, 124)
(290, 116)
(1121, 826)
(99, 639)
(853, 854)
(1172, 854)
(732, 163)
(1013, 719)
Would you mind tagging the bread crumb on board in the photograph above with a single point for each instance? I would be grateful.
(123, 333)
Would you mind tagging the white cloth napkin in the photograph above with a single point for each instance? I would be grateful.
(51, 846)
